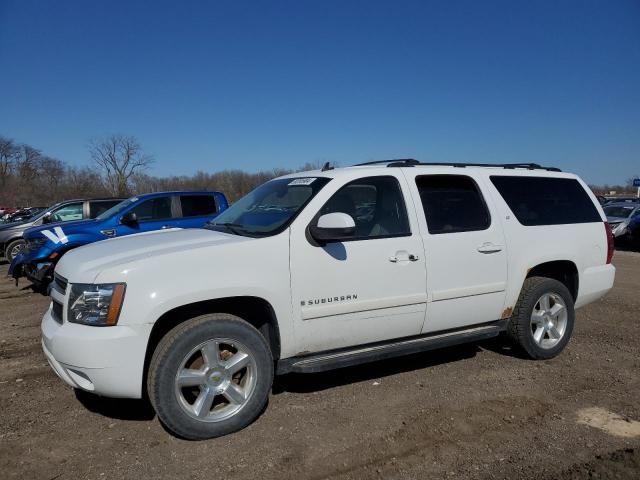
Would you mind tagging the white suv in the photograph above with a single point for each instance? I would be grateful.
(326, 269)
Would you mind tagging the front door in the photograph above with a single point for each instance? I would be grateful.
(369, 288)
(153, 214)
(465, 252)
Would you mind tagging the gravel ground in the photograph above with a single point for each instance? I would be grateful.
(476, 411)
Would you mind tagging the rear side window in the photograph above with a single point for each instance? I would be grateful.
(154, 209)
(546, 200)
(96, 208)
(452, 203)
(197, 205)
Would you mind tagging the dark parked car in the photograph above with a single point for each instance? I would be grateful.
(11, 234)
(23, 214)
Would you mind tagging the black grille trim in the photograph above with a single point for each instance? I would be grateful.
(56, 311)
(60, 282)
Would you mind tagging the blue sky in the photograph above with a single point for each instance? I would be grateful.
(264, 84)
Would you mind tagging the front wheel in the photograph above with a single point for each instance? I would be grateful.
(543, 319)
(210, 376)
(14, 248)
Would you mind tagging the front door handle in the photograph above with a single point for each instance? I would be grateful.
(489, 247)
(403, 257)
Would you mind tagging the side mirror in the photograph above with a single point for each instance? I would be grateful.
(129, 218)
(333, 227)
(47, 218)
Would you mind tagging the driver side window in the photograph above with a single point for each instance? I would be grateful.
(67, 213)
(154, 209)
(376, 205)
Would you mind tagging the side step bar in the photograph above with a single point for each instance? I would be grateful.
(346, 357)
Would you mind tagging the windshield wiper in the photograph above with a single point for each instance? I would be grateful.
(232, 227)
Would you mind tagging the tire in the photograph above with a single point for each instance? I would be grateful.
(207, 352)
(13, 248)
(542, 328)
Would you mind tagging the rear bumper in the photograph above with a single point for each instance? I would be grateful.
(595, 282)
(108, 361)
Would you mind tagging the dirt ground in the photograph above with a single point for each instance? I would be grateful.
(476, 411)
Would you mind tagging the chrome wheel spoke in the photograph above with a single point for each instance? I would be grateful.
(188, 377)
(211, 353)
(237, 362)
(538, 335)
(234, 394)
(537, 317)
(544, 302)
(202, 405)
(556, 309)
(554, 333)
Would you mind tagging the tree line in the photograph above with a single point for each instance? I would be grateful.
(119, 167)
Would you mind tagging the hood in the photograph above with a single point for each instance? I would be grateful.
(67, 227)
(85, 263)
(9, 226)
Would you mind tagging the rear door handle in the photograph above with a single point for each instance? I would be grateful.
(489, 247)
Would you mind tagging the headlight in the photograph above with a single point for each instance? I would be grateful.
(35, 243)
(97, 305)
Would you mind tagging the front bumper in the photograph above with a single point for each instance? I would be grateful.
(38, 272)
(108, 361)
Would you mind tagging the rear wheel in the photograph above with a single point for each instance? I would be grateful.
(543, 319)
(210, 376)
(14, 248)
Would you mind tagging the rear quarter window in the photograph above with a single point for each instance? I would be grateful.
(546, 200)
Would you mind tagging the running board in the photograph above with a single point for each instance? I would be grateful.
(332, 359)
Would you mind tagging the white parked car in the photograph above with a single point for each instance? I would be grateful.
(325, 269)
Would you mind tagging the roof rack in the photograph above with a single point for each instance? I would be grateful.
(411, 162)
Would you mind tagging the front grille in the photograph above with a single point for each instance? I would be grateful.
(60, 282)
(56, 311)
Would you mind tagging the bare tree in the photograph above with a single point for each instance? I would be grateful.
(119, 157)
(8, 156)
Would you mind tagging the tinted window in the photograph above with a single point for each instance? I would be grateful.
(546, 201)
(154, 209)
(96, 208)
(68, 213)
(375, 204)
(270, 208)
(196, 205)
(452, 203)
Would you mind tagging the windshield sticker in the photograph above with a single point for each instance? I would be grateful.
(302, 181)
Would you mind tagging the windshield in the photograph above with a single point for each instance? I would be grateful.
(270, 208)
(117, 208)
(619, 211)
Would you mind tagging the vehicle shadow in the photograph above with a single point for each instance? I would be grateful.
(116, 408)
(314, 382)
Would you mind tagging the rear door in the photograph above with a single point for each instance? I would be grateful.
(195, 210)
(464, 249)
(96, 207)
(153, 214)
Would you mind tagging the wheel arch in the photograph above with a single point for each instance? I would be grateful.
(255, 310)
(564, 271)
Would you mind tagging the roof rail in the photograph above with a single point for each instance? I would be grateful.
(410, 162)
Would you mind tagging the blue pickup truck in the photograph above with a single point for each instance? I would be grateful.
(144, 213)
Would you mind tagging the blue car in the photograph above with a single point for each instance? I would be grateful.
(144, 213)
